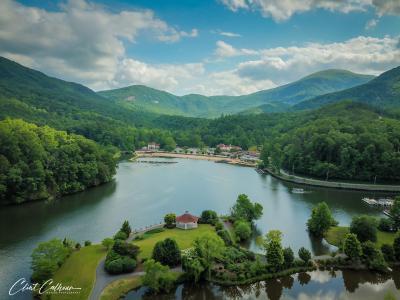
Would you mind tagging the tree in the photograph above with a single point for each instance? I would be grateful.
(108, 243)
(47, 258)
(245, 210)
(88, 243)
(386, 224)
(352, 247)
(274, 251)
(378, 262)
(126, 249)
(126, 228)
(157, 277)
(305, 255)
(396, 247)
(192, 265)
(242, 230)
(369, 251)
(167, 252)
(120, 235)
(364, 227)
(395, 213)
(170, 220)
(321, 220)
(388, 252)
(225, 236)
(209, 217)
(288, 256)
(208, 247)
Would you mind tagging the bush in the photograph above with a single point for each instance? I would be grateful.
(369, 250)
(242, 230)
(219, 226)
(225, 236)
(155, 230)
(170, 220)
(208, 217)
(388, 252)
(352, 247)
(120, 235)
(396, 247)
(385, 224)
(77, 246)
(365, 228)
(288, 256)
(88, 243)
(167, 252)
(126, 249)
(304, 254)
(157, 277)
(117, 264)
(108, 243)
(378, 263)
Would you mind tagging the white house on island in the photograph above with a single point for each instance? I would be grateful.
(186, 221)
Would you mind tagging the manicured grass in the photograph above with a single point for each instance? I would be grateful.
(184, 238)
(336, 234)
(120, 287)
(79, 270)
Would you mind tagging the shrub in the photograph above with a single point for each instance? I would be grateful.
(378, 263)
(77, 246)
(288, 256)
(155, 230)
(225, 236)
(388, 252)
(369, 250)
(364, 227)
(157, 277)
(120, 235)
(167, 252)
(396, 247)
(116, 263)
(170, 220)
(126, 249)
(219, 226)
(242, 230)
(321, 219)
(352, 247)
(208, 217)
(385, 224)
(108, 243)
(126, 228)
(304, 254)
(88, 243)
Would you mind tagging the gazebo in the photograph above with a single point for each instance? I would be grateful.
(186, 221)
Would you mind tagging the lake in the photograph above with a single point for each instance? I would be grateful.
(144, 192)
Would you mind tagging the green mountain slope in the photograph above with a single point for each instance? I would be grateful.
(273, 100)
(382, 92)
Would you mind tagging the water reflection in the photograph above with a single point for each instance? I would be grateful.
(321, 284)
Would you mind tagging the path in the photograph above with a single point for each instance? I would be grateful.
(103, 278)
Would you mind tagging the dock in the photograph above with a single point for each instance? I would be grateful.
(380, 203)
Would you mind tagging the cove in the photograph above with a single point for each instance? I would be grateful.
(143, 193)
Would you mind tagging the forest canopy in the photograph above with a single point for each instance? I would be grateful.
(42, 163)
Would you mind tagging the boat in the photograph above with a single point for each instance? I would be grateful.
(298, 191)
(382, 202)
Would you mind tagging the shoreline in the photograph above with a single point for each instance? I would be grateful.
(221, 159)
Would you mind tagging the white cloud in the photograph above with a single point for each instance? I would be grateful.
(82, 41)
(281, 10)
(226, 50)
(371, 24)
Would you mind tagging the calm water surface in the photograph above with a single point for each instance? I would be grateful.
(143, 193)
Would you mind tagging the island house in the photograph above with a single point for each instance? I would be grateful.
(186, 221)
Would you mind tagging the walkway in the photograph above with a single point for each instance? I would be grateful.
(334, 184)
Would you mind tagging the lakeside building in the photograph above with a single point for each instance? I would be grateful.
(153, 146)
(228, 148)
(186, 221)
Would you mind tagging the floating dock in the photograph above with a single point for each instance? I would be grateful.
(381, 203)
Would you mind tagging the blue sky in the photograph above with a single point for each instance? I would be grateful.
(205, 46)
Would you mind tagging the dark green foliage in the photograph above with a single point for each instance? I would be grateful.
(157, 277)
(364, 227)
(352, 247)
(40, 162)
(78, 246)
(121, 258)
(219, 226)
(244, 209)
(395, 213)
(170, 220)
(304, 254)
(288, 256)
(120, 235)
(225, 236)
(242, 230)
(396, 248)
(167, 252)
(126, 228)
(126, 249)
(321, 220)
(388, 252)
(378, 263)
(274, 251)
(47, 258)
(208, 217)
(369, 251)
(88, 243)
(386, 224)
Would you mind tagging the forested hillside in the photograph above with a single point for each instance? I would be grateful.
(273, 100)
(382, 92)
(42, 163)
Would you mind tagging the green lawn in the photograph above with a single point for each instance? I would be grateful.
(336, 234)
(184, 238)
(120, 287)
(79, 270)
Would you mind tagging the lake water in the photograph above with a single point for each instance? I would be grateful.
(144, 192)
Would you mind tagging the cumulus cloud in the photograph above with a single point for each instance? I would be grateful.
(226, 50)
(371, 24)
(229, 34)
(282, 10)
(82, 41)
(362, 54)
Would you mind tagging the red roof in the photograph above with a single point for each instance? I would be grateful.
(187, 218)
